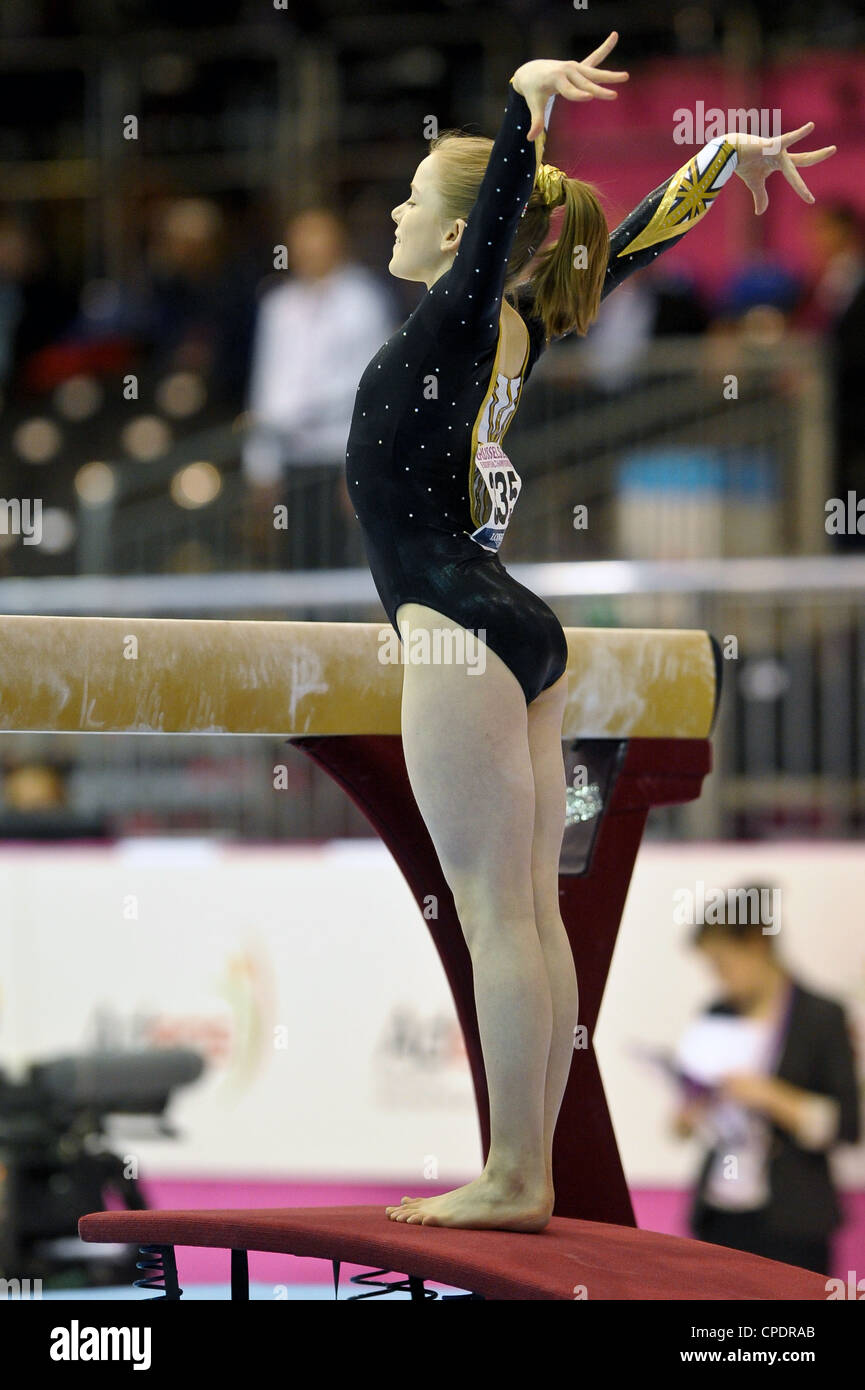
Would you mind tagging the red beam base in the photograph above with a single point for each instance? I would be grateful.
(597, 862)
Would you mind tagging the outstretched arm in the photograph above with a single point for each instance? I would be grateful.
(670, 211)
(673, 208)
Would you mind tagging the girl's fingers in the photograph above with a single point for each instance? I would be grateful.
(574, 91)
(537, 122)
(567, 89)
(599, 74)
(603, 50)
(796, 180)
(807, 157)
(588, 85)
(793, 135)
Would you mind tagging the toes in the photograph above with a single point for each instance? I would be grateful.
(405, 1203)
(397, 1213)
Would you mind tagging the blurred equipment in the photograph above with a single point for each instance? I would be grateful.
(57, 1163)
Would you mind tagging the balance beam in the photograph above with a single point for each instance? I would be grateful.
(568, 1260)
(190, 676)
(640, 710)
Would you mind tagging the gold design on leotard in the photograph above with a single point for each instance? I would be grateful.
(502, 411)
(687, 198)
(493, 418)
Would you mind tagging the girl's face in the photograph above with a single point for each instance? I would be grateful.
(424, 245)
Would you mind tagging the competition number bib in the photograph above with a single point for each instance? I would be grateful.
(503, 483)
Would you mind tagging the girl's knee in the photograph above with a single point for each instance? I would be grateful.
(482, 904)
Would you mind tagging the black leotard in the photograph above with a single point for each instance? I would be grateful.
(430, 484)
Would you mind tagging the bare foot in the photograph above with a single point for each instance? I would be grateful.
(484, 1204)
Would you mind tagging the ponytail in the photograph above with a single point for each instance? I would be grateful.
(567, 277)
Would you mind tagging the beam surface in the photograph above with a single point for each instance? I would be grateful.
(205, 676)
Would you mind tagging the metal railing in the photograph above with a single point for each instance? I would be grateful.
(665, 467)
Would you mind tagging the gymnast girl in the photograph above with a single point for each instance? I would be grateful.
(433, 491)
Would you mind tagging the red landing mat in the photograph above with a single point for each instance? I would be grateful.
(609, 1262)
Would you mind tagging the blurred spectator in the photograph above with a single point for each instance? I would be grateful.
(761, 281)
(35, 804)
(34, 310)
(837, 307)
(657, 303)
(314, 336)
(774, 1089)
(33, 787)
(617, 341)
(198, 310)
(679, 307)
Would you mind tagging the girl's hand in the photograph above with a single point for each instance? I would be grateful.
(540, 79)
(759, 156)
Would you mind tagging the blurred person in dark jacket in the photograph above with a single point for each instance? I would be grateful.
(776, 1090)
(197, 311)
(35, 308)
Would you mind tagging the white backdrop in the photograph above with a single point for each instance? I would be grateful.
(307, 978)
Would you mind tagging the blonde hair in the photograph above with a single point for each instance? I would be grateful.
(567, 297)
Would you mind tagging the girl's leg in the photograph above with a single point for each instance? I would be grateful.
(545, 715)
(465, 738)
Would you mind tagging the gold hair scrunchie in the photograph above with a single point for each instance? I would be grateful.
(549, 182)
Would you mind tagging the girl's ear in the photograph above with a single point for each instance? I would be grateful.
(453, 236)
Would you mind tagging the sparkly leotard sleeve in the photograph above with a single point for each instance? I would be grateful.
(430, 482)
